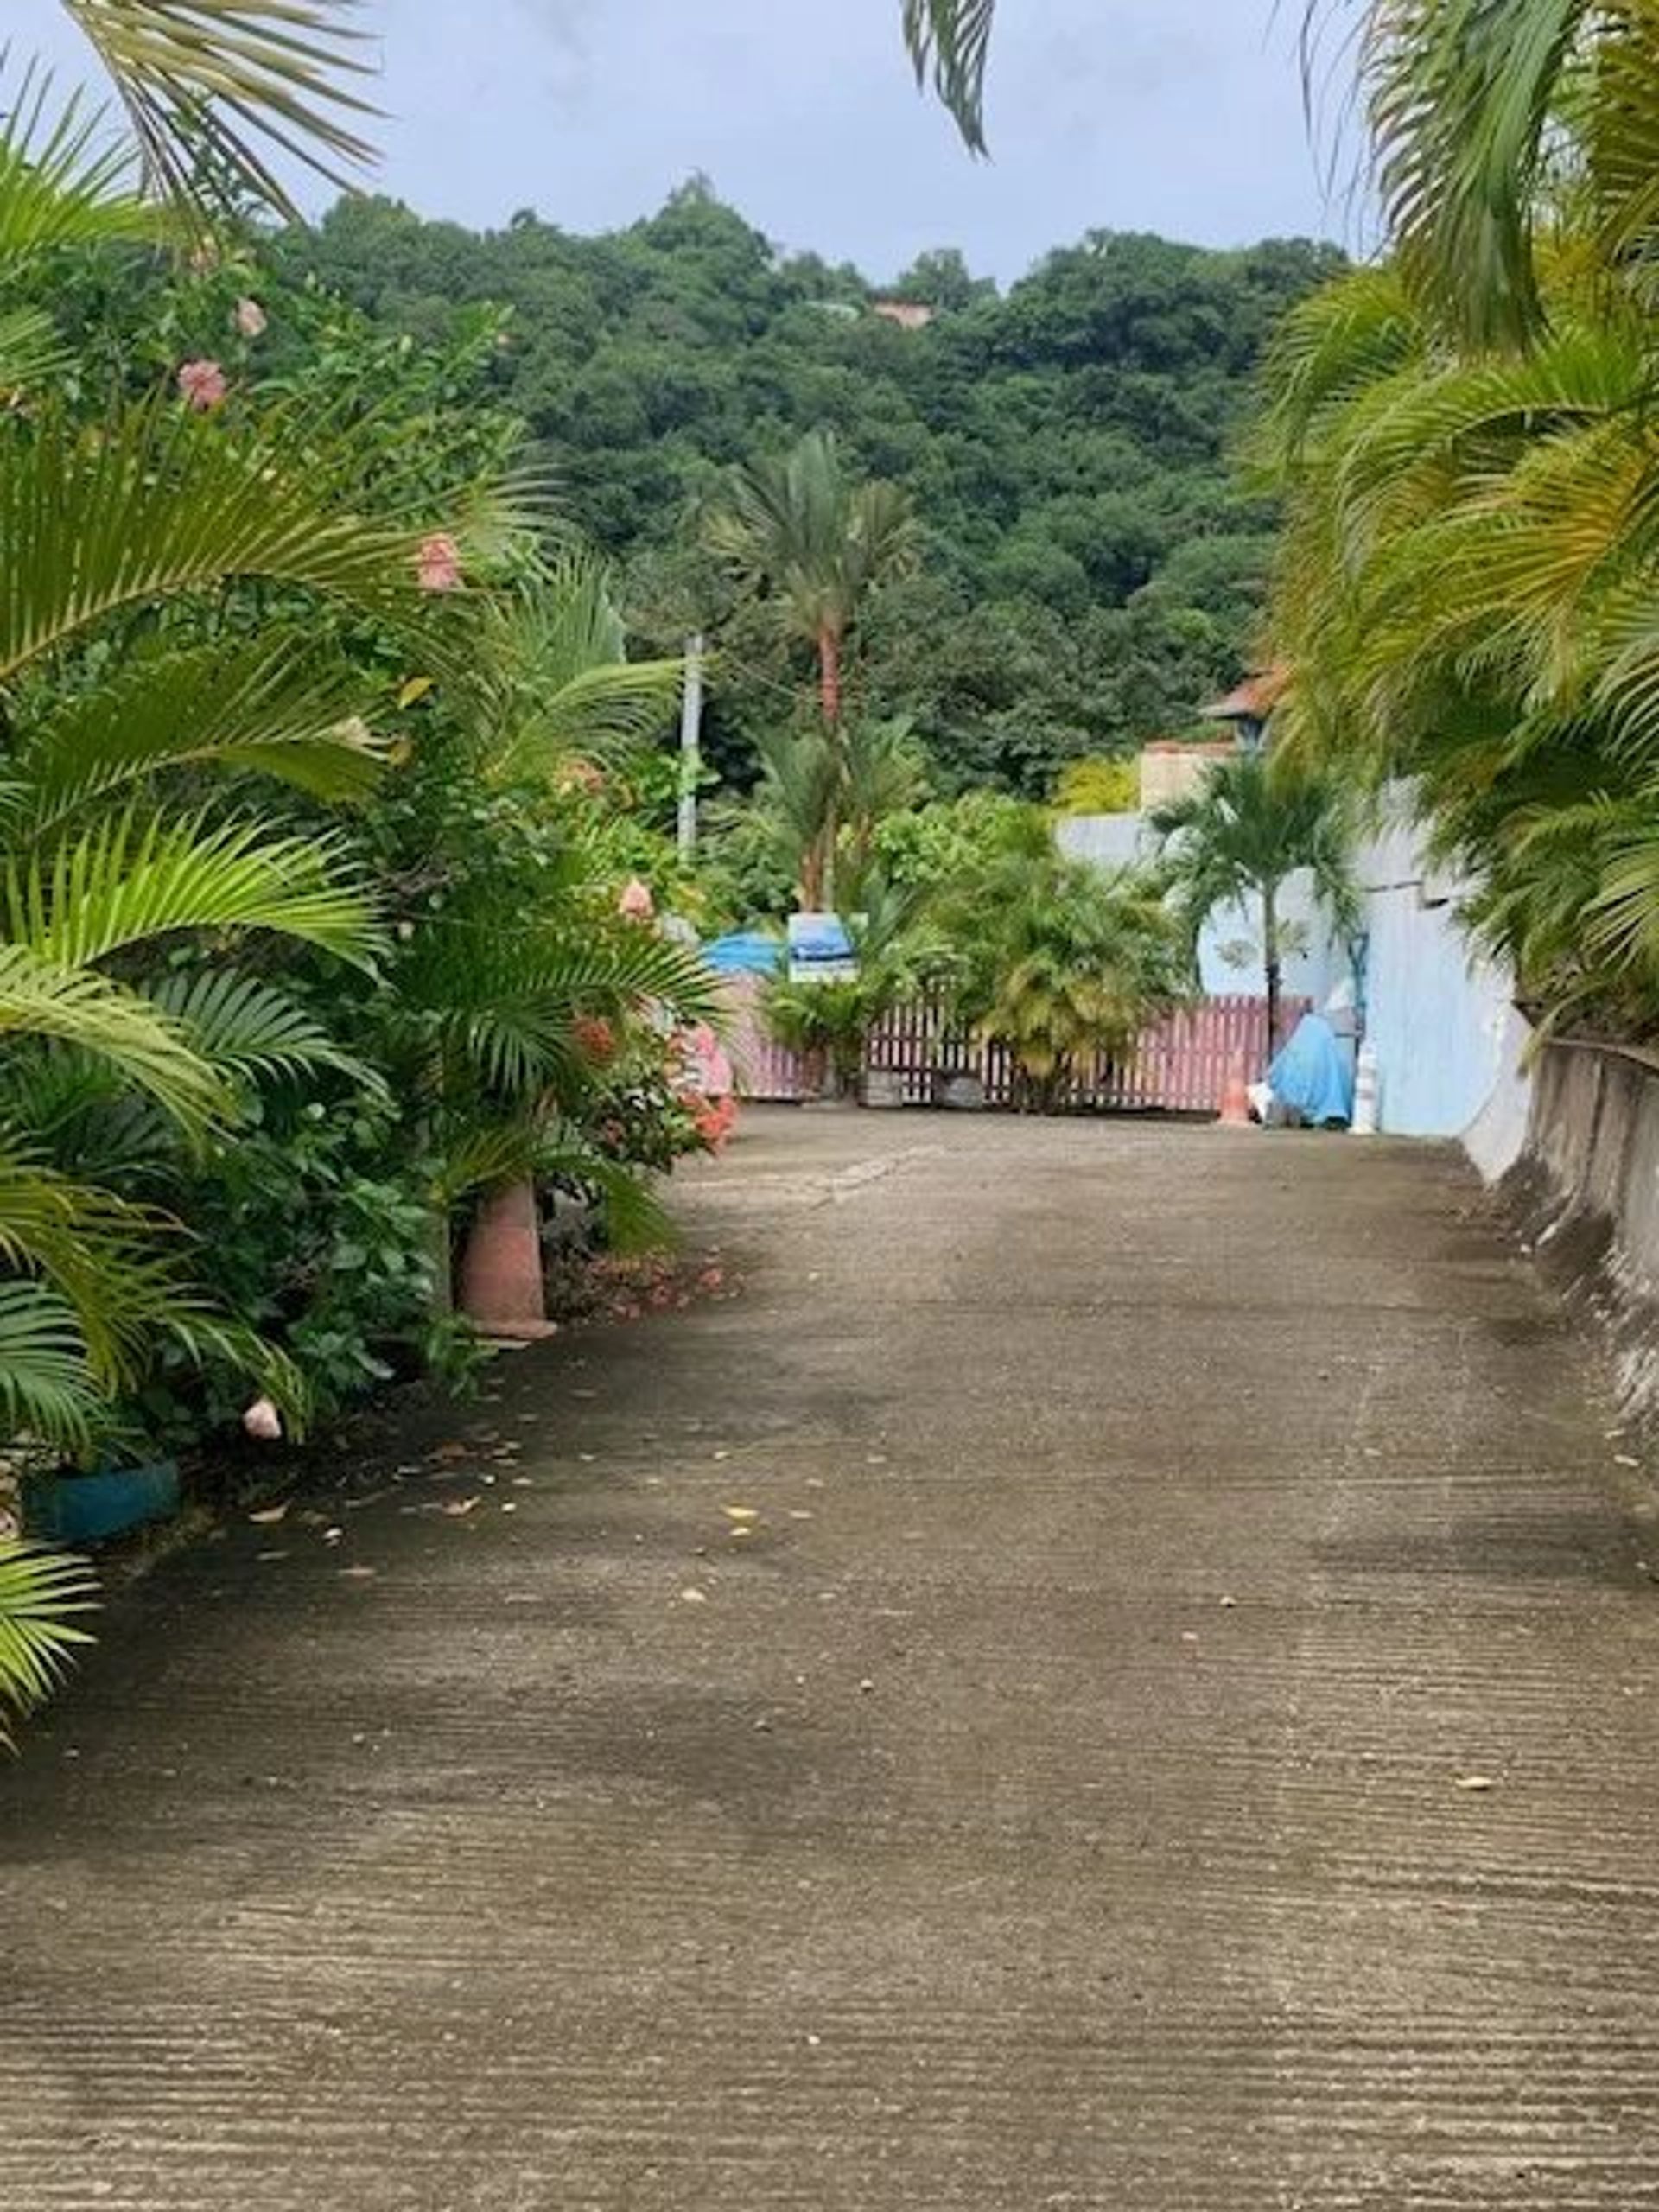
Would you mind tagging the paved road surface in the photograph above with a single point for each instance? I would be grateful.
(1055, 1802)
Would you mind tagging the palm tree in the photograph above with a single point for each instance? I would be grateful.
(1491, 126)
(1237, 839)
(490, 1005)
(813, 543)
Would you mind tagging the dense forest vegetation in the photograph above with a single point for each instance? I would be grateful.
(1094, 566)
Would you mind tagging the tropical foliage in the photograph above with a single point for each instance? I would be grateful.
(1092, 570)
(311, 759)
(1465, 437)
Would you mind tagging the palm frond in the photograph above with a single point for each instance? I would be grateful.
(63, 179)
(75, 1006)
(266, 707)
(130, 881)
(245, 1027)
(949, 43)
(557, 683)
(31, 353)
(219, 90)
(158, 504)
(1461, 95)
(42, 1596)
(47, 1393)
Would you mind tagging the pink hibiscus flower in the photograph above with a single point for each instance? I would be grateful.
(204, 385)
(440, 563)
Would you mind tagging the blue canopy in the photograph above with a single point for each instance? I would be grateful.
(745, 952)
(1312, 1075)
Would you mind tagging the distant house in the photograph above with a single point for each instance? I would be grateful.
(909, 315)
(1173, 766)
(1249, 706)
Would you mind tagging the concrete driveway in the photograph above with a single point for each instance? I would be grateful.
(1115, 1675)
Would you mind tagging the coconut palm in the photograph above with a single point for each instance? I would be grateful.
(1236, 840)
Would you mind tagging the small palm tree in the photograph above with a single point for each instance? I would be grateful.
(1237, 839)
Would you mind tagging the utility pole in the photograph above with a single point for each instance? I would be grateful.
(691, 749)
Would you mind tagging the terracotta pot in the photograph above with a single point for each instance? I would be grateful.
(501, 1285)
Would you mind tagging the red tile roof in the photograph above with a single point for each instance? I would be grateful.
(1254, 700)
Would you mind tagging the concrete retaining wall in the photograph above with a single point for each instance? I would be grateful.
(1585, 1196)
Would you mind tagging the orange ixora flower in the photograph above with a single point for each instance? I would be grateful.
(204, 385)
(595, 1038)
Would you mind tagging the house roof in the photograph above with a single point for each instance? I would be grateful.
(1254, 700)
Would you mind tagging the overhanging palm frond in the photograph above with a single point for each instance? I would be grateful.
(158, 504)
(231, 85)
(1462, 94)
(63, 180)
(506, 1009)
(123, 1271)
(266, 707)
(949, 43)
(128, 881)
(42, 1596)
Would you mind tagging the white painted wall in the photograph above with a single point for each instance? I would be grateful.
(1448, 1043)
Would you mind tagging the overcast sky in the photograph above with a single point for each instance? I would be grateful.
(1179, 116)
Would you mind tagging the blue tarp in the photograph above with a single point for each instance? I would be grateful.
(1312, 1075)
(745, 952)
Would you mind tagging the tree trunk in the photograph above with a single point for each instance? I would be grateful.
(1270, 961)
(830, 675)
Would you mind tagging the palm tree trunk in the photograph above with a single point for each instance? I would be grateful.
(829, 674)
(1271, 962)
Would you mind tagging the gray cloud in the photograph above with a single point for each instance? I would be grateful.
(1183, 116)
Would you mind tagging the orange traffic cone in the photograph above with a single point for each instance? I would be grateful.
(501, 1286)
(1236, 1098)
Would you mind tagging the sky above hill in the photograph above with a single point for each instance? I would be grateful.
(1179, 116)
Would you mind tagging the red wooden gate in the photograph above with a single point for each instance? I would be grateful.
(1179, 1066)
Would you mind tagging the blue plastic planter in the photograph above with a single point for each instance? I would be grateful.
(89, 1509)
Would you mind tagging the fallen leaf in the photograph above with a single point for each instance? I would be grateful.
(740, 1534)
(739, 1512)
(453, 1452)
(269, 1517)
(358, 1573)
(457, 1509)
(694, 1597)
(1476, 1783)
(270, 1559)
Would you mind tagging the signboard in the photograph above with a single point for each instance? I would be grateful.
(820, 950)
